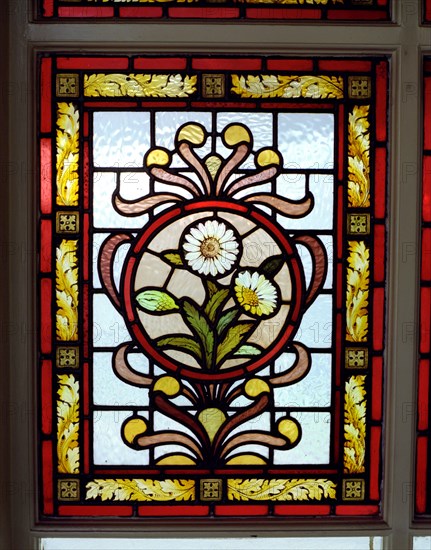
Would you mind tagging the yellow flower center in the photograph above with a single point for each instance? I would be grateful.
(210, 247)
(249, 297)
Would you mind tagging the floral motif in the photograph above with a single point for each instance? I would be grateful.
(211, 248)
(255, 293)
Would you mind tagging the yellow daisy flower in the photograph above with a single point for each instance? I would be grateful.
(255, 293)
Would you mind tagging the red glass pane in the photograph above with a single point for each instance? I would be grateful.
(379, 252)
(45, 315)
(48, 8)
(378, 318)
(200, 13)
(242, 510)
(46, 176)
(425, 320)
(381, 100)
(45, 96)
(426, 189)
(147, 63)
(427, 11)
(348, 510)
(145, 13)
(47, 471)
(46, 385)
(380, 177)
(85, 12)
(423, 395)
(92, 63)
(421, 474)
(289, 65)
(376, 15)
(95, 511)
(350, 66)
(218, 64)
(292, 510)
(376, 433)
(377, 402)
(268, 13)
(45, 241)
(426, 254)
(176, 511)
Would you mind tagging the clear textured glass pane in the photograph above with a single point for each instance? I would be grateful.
(121, 138)
(306, 140)
(255, 543)
(421, 543)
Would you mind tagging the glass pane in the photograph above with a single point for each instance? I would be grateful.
(331, 543)
(212, 275)
(421, 543)
(306, 10)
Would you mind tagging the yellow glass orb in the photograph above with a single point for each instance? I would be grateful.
(168, 385)
(133, 427)
(255, 387)
(193, 133)
(158, 157)
(268, 157)
(236, 134)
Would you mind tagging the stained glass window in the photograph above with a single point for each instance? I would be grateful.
(212, 285)
(251, 10)
(423, 442)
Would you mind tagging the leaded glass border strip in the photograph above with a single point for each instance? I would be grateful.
(246, 10)
(423, 440)
(73, 88)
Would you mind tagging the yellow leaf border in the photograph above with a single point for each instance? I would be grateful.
(280, 489)
(355, 408)
(141, 489)
(358, 278)
(358, 185)
(67, 142)
(288, 87)
(66, 272)
(139, 85)
(67, 424)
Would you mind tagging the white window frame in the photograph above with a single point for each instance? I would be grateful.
(406, 41)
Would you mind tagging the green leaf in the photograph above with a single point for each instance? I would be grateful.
(214, 303)
(173, 258)
(248, 349)
(212, 287)
(234, 337)
(185, 343)
(200, 327)
(271, 266)
(226, 319)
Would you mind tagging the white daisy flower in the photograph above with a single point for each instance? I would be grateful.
(255, 293)
(210, 248)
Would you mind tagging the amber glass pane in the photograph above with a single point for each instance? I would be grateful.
(248, 10)
(212, 286)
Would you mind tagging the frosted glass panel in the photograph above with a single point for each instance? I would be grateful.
(306, 140)
(109, 447)
(120, 138)
(314, 445)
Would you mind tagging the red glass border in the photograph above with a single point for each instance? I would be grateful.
(349, 10)
(423, 441)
